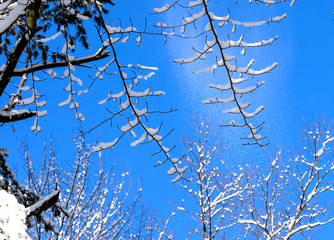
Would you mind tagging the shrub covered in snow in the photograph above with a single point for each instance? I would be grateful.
(12, 218)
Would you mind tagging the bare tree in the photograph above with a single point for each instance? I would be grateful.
(280, 201)
(285, 200)
(99, 206)
(211, 189)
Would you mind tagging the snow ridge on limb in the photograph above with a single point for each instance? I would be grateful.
(133, 103)
(216, 45)
(36, 52)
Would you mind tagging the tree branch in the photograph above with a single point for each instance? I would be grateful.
(19, 47)
(43, 204)
(15, 115)
(42, 66)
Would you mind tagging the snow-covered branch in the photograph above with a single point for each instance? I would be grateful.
(48, 65)
(15, 115)
(131, 104)
(42, 205)
(219, 44)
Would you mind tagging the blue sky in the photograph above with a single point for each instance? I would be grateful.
(301, 85)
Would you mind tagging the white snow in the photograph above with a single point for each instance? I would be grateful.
(234, 110)
(264, 70)
(210, 68)
(125, 39)
(177, 178)
(219, 100)
(41, 113)
(12, 218)
(79, 116)
(138, 40)
(157, 93)
(216, 18)
(278, 18)
(141, 139)
(103, 145)
(52, 73)
(194, 17)
(140, 112)
(146, 67)
(164, 8)
(130, 29)
(171, 171)
(161, 24)
(195, 3)
(238, 80)
(124, 75)
(208, 27)
(69, 99)
(152, 131)
(49, 38)
(250, 115)
(322, 149)
(221, 87)
(248, 24)
(260, 43)
(125, 104)
(138, 94)
(130, 125)
(16, 10)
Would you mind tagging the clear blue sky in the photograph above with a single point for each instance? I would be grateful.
(301, 85)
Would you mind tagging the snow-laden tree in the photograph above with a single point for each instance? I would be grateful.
(99, 203)
(211, 189)
(286, 200)
(201, 20)
(34, 203)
